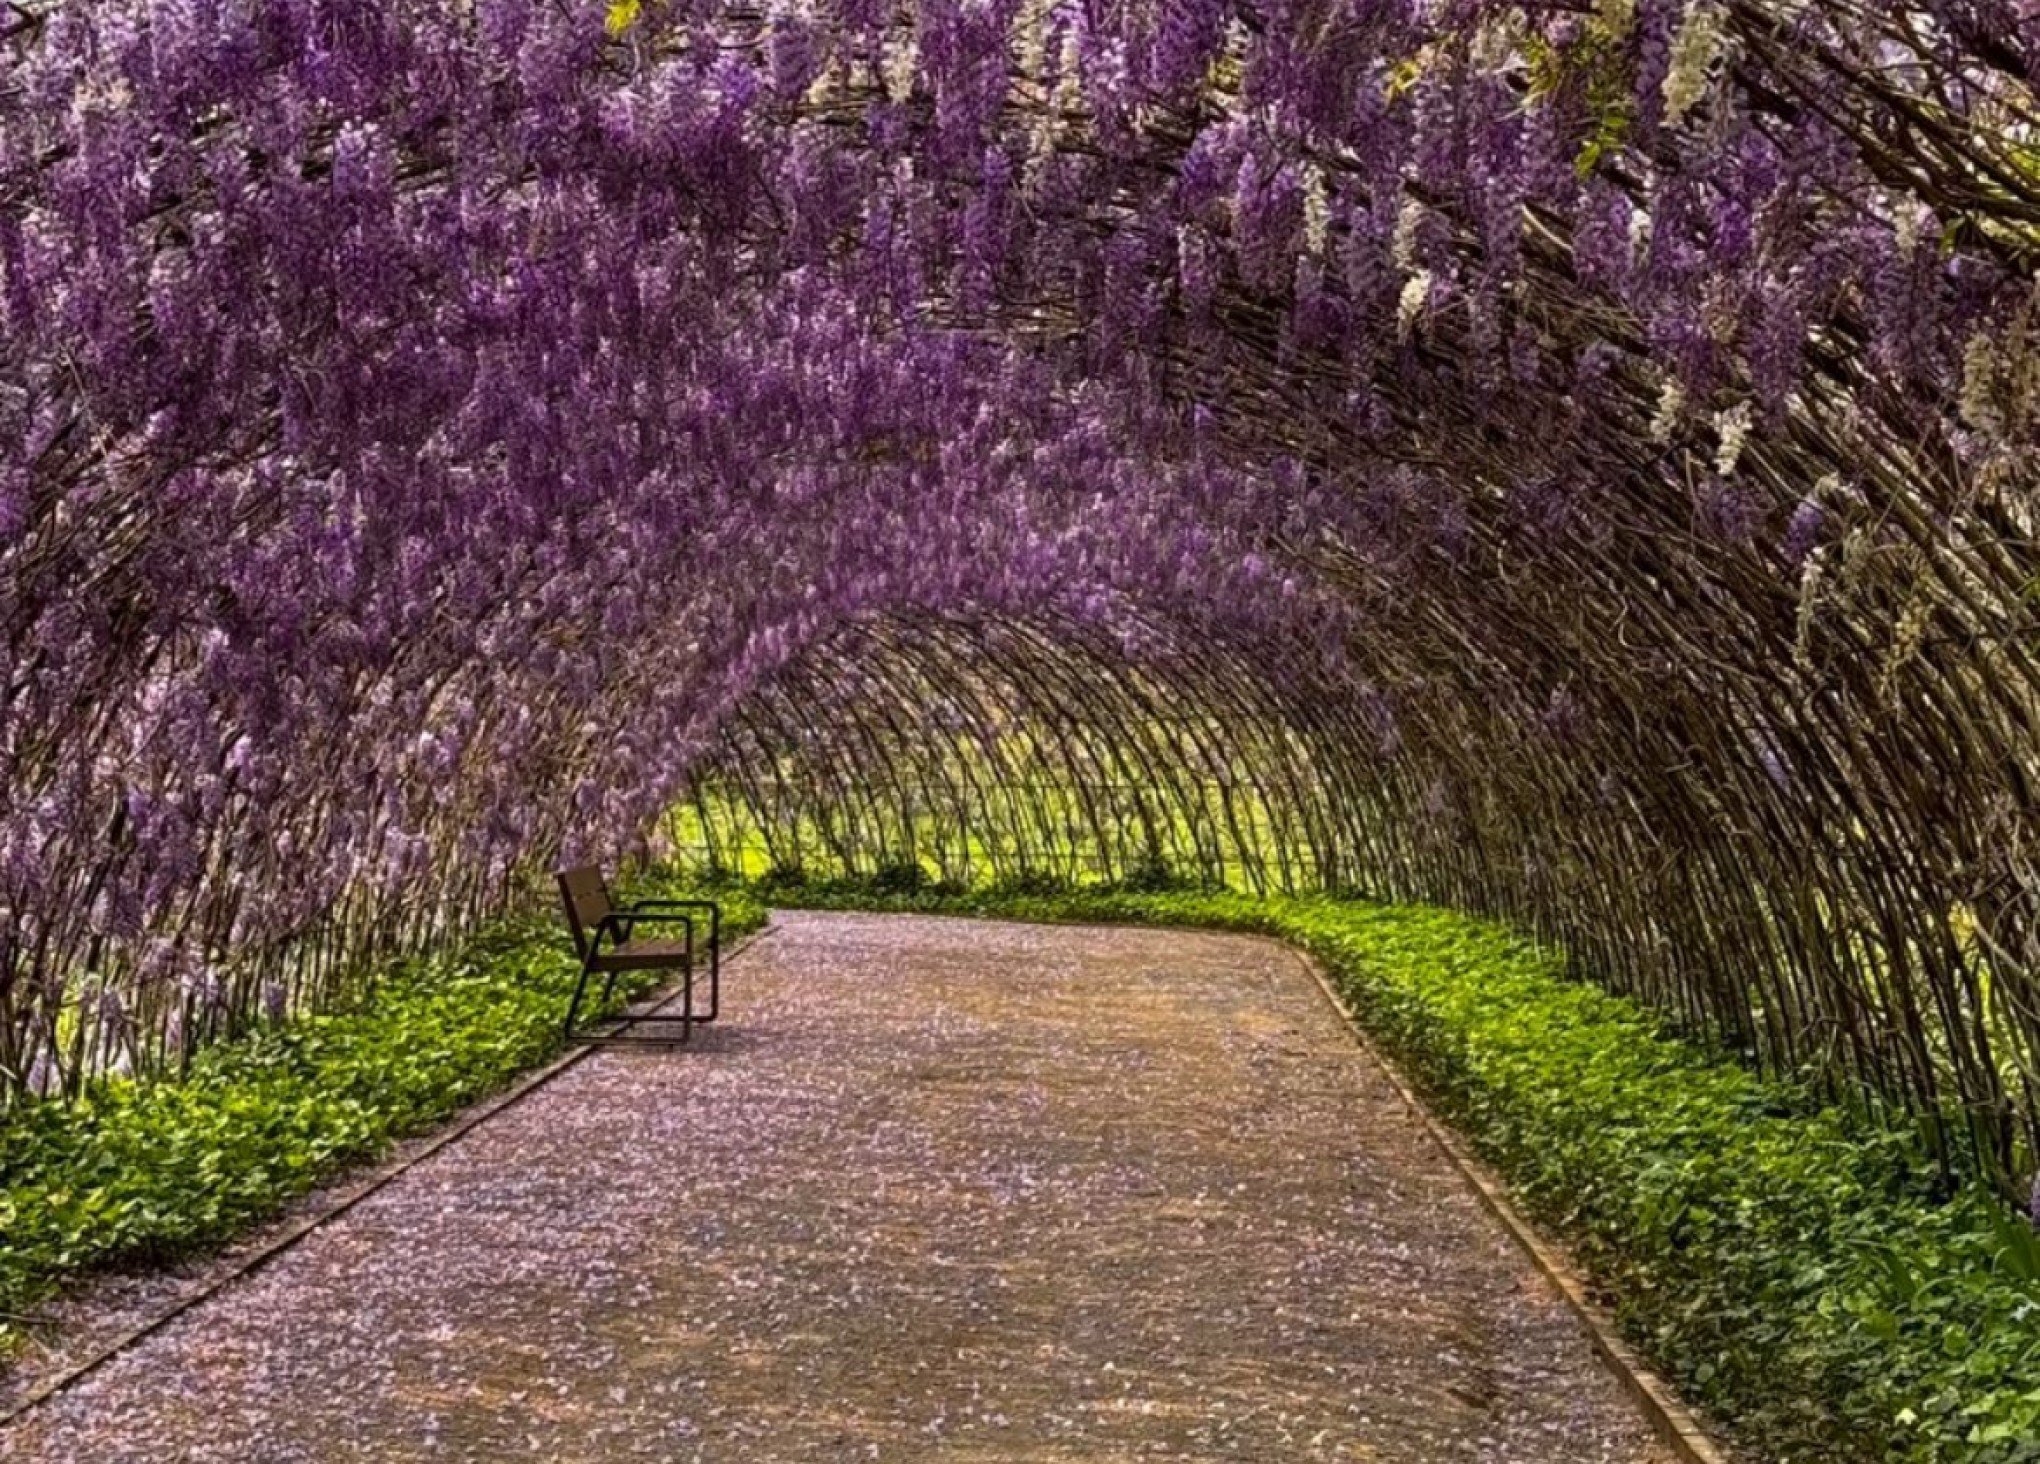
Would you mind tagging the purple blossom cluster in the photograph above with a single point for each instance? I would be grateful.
(424, 428)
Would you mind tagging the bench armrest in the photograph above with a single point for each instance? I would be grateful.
(621, 924)
(617, 925)
(714, 910)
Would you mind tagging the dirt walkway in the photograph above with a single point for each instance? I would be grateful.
(941, 1190)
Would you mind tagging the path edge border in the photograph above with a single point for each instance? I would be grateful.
(377, 1178)
(1670, 1418)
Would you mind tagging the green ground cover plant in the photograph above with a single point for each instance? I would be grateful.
(138, 1172)
(1809, 1276)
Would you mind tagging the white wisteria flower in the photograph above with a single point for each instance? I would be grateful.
(1733, 427)
(1416, 294)
(1671, 407)
(1693, 52)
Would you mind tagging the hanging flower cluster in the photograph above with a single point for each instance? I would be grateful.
(1604, 435)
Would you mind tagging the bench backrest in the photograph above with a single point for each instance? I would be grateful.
(585, 893)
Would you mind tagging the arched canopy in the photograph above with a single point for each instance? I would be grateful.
(1570, 461)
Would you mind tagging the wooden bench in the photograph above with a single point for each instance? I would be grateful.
(606, 939)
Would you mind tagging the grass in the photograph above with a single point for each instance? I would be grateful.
(150, 1171)
(1801, 1273)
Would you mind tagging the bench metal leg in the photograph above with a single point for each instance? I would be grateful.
(714, 951)
(620, 1032)
(608, 990)
(574, 1007)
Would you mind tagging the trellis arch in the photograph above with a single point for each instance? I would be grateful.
(1572, 462)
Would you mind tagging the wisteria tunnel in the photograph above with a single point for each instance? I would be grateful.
(1569, 462)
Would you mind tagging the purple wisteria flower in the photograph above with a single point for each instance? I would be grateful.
(434, 438)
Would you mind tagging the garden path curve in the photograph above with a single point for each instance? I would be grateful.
(939, 1189)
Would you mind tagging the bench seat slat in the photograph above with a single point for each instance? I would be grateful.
(643, 955)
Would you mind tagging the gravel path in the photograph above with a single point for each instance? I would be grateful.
(940, 1190)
